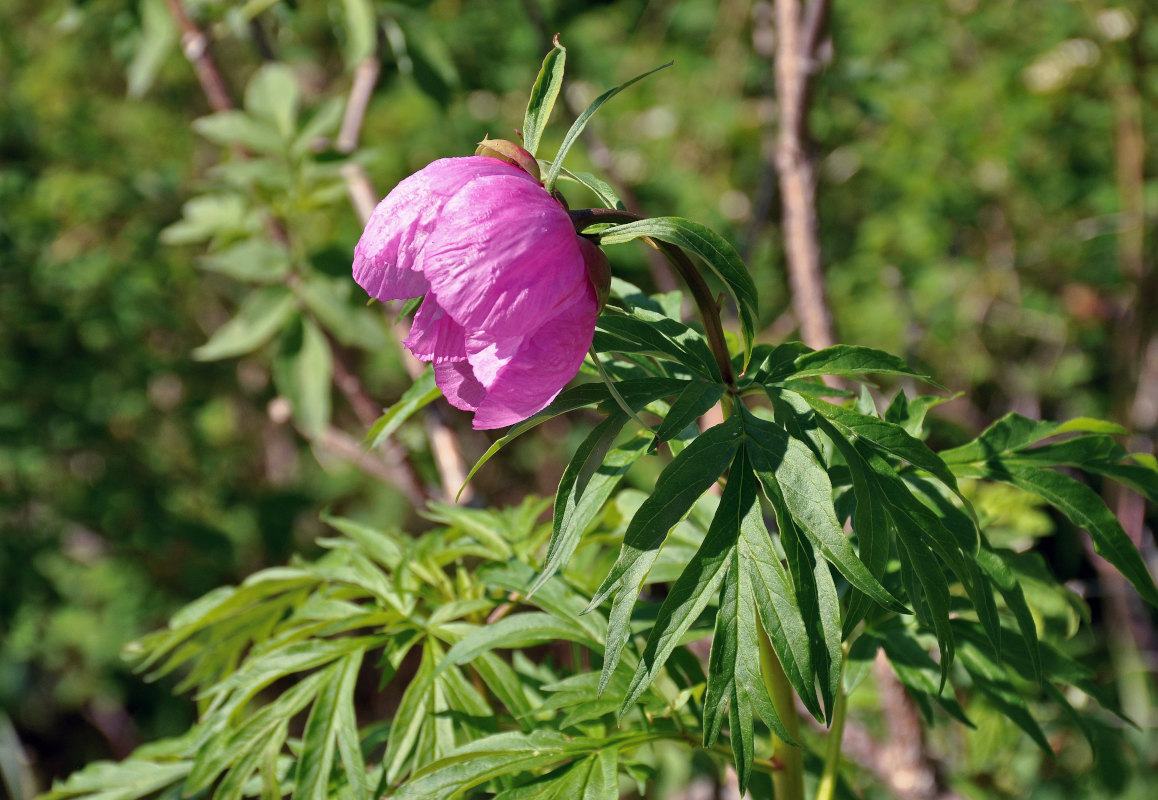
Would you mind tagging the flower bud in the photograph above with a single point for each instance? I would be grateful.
(511, 153)
(598, 270)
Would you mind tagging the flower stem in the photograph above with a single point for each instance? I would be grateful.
(788, 781)
(701, 292)
(826, 789)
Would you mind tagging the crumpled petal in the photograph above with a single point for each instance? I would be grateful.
(388, 258)
(540, 368)
(509, 262)
(458, 385)
(434, 336)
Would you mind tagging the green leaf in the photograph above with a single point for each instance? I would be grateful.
(847, 360)
(126, 780)
(516, 631)
(303, 371)
(637, 393)
(734, 676)
(892, 439)
(273, 95)
(650, 333)
(1014, 432)
(230, 128)
(1085, 509)
(420, 394)
(414, 712)
(156, 43)
(361, 31)
(689, 475)
(587, 483)
(716, 252)
(600, 188)
(543, 96)
(787, 467)
(261, 315)
(696, 400)
(577, 127)
(327, 299)
(779, 607)
(327, 725)
(501, 754)
(991, 679)
(698, 584)
(256, 260)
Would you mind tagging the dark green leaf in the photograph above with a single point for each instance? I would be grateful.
(847, 360)
(716, 252)
(694, 401)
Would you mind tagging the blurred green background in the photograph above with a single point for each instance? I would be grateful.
(987, 203)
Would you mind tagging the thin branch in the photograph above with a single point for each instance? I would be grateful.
(796, 168)
(195, 45)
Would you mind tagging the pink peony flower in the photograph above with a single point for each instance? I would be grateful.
(509, 311)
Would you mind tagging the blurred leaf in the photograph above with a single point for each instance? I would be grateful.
(361, 31)
(256, 260)
(304, 371)
(228, 128)
(157, 41)
(261, 315)
(273, 95)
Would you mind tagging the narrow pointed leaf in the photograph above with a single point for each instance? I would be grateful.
(847, 360)
(420, 394)
(577, 127)
(694, 401)
(700, 581)
(715, 251)
(543, 96)
(786, 465)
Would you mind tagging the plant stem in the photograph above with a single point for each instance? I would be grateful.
(788, 781)
(826, 789)
(701, 292)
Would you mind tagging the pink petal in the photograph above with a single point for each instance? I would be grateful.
(504, 258)
(458, 385)
(388, 257)
(434, 336)
(542, 366)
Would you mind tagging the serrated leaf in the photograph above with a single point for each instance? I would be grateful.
(715, 251)
(577, 127)
(689, 475)
(647, 332)
(895, 440)
(787, 467)
(600, 188)
(260, 317)
(543, 95)
(417, 396)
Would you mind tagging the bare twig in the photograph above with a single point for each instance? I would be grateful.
(195, 45)
(796, 167)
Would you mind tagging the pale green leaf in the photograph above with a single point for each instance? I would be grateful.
(262, 314)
